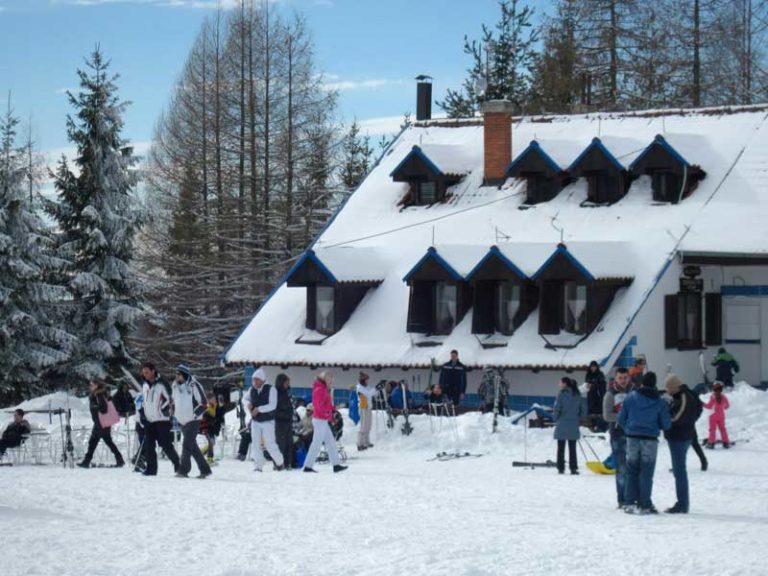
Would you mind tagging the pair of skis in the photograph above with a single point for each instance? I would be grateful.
(446, 456)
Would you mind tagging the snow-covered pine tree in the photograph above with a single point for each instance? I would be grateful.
(357, 155)
(29, 343)
(98, 216)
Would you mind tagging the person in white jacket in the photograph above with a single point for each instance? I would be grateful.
(365, 402)
(189, 403)
(261, 402)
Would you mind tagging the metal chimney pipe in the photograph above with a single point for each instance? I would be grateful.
(423, 97)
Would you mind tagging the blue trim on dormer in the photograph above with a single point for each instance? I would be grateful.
(494, 251)
(533, 148)
(562, 249)
(432, 253)
(310, 255)
(419, 153)
(661, 141)
(596, 143)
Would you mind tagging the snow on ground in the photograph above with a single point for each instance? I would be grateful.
(394, 512)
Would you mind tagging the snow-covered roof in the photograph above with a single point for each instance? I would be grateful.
(633, 238)
(345, 264)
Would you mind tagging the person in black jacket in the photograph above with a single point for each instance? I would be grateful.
(684, 410)
(97, 403)
(14, 433)
(284, 419)
(453, 378)
(595, 380)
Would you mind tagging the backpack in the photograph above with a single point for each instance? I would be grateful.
(697, 406)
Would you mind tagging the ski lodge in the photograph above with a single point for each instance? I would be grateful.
(535, 244)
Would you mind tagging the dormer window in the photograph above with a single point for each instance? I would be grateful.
(439, 297)
(503, 296)
(543, 176)
(336, 280)
(672, 176)
(429, 173)
(607, 179)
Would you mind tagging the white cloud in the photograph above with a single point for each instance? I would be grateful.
(343, 85)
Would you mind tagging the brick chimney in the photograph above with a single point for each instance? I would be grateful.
(497, 140)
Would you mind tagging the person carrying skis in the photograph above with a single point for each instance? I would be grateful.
(725, 366)
(321, 424)
(596, 388)
(97, 404)
(261, 402)
(189, 404)
(487, 390)
(568, 411)
(612, 401)
(643, 416)
(156, 409)
(365, 402)
(718, 402)
(284, 419)
(685, 409)
(453, 378)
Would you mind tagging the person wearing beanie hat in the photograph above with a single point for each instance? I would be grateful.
(261, 402)
(642, 417)
(685, 409)
(190, 402)
(365, 402)
(156, 410)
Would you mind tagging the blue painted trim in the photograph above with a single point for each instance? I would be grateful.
(743, 341)
(432, 253)
(310, 255)
(494, 251)
(596, 143)
(661, 141)
(656, 282)
(533, 148)
(419, 153)
(562, 249)
(744, 290)
(331, 220)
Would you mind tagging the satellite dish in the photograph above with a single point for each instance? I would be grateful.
(481, 85)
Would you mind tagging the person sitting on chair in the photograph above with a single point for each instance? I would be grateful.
(14, 433)
(435, 395)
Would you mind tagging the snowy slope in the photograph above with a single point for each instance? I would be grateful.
(634, 237)
(395, 513)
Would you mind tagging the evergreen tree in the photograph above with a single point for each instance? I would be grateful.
(357, 153)
(502, 63)
(98, 217)
(29, 343)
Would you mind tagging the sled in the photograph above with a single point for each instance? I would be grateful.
(599, 468)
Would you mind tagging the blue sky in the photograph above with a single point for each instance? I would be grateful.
(370, 49)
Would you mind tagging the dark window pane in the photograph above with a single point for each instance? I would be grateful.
(507, 305)
(445, 307)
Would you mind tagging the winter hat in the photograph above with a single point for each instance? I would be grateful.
(260, 374)
(649, 380)
(183, 369)
(717, 385)
(673, 384)
(310, 408)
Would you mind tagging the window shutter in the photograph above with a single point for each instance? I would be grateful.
(670, 321)
(311, 306)
(551, 307)
(713, 310)
(482, 312)
(420, 307)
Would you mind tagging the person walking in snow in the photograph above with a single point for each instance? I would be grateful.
(718, 403)
(189, 404)
(365, 402)
(97, 404)
(643, 416)
(684, 408)
(568, 411)
(453, 378)
(284, 419)
(211, 425)
(261, 402)
(725, 366)
(321, 424)
(596, 388)
(157, 408)
(487, 390)
(612, 401)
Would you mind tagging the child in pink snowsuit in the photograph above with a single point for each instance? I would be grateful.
(719, 402)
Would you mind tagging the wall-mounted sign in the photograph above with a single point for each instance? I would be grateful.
(691, 285)
(692, 271)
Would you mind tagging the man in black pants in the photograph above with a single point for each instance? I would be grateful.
(284, 419)
(157, 410)
(453, 378)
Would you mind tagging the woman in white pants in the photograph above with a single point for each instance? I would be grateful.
(321, 421)
(261, 402)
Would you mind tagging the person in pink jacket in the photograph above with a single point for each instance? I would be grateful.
(719, 403)
(321, 420)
